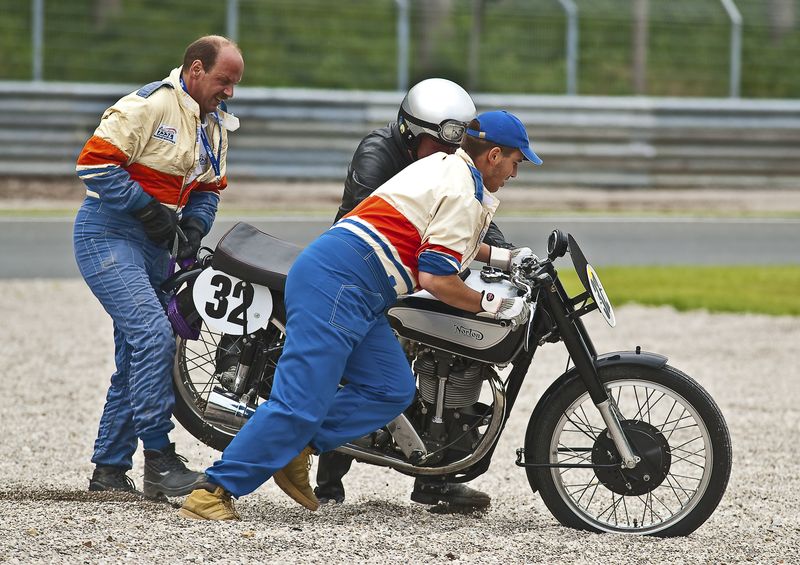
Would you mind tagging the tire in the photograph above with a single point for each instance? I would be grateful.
(196, 372)
(669, 417)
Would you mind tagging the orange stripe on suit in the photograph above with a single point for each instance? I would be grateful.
(98, 151)
(391, 224)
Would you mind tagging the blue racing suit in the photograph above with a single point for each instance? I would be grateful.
(126, 164)
(429, 218)
(336, 295)
(124, 270)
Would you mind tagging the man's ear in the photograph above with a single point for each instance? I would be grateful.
(195, 68)
(494, 155)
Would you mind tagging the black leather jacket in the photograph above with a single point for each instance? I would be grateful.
(381, 155)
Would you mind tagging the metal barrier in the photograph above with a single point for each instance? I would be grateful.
(304, 134)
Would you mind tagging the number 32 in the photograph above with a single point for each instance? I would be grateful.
(242, 290)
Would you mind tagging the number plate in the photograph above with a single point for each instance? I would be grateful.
(600, 297)
(230, 305)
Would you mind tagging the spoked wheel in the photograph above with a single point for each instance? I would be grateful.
(209, 364)
(673, 425)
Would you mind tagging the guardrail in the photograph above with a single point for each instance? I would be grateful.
(303, 134)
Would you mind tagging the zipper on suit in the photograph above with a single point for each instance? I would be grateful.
(195, 162)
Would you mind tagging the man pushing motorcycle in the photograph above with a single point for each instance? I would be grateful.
(431, 118)
(417, 230)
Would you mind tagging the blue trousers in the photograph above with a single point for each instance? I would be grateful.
(336, 296)
(124, 269)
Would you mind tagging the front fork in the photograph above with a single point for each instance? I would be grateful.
(582, 352)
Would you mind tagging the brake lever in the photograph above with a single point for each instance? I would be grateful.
(493, 274)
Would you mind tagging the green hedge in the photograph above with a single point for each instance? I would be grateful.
(353, 44)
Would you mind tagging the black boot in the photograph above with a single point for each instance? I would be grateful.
(110, 478)
(165, 474)
(331, 468)
(427, 491)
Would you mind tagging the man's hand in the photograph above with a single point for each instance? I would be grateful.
(159, 222)
(520, 253)
(504, 259)
(193, 230)
(516, 310)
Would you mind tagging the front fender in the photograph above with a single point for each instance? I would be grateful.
(638, 357)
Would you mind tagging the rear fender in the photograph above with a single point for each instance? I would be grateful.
(632, 358)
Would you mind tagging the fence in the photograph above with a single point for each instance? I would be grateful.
(307, 134)
(715, 48)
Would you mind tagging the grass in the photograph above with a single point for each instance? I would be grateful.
(771, 289)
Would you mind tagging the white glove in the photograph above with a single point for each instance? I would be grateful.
(520, 253)
(515, 310)
(504, 259)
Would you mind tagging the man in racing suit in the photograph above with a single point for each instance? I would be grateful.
(153, 172)
(430, 111)
(417, 230)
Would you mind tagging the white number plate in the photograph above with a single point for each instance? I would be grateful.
(230, 305)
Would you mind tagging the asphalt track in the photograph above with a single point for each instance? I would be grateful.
(42, 247)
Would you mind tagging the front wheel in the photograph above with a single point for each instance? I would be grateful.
(672, 424)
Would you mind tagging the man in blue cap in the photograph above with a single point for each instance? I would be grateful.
(418, 230)
(432, 118)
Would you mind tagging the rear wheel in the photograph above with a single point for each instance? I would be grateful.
(672, 424)
(210, 363)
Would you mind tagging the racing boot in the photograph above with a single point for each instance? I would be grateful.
(332, 466)
(454, 494)
(111, 478)
(205, 504)
(293, 479)
(165, 473)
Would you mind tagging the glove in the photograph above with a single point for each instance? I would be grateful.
(520, 253)
(159, 222)
(504, 259)
(516, 309)
(193, 229)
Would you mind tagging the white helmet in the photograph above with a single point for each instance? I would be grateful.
(438, 107)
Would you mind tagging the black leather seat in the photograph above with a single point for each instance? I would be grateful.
(252, 255)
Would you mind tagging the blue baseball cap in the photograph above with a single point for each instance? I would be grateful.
(504, 128)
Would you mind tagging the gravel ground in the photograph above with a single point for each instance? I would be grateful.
(57, 351)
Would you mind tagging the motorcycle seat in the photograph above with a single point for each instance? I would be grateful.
(254, 256)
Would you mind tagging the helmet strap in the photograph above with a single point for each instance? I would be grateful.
(411, 141)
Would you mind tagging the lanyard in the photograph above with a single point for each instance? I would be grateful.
(207, 145)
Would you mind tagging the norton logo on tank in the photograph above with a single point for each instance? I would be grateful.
(468, 332)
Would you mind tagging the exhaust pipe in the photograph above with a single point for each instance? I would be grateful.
(224, 409)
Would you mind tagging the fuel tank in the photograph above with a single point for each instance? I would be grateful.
(421, 317)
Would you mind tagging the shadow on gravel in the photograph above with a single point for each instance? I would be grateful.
(55, 495)
(444, 508)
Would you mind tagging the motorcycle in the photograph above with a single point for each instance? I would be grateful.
(620, 442)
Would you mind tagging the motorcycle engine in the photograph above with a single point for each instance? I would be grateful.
(463, 384)
(449, 415)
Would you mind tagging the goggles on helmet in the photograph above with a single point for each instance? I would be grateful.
(450, 132)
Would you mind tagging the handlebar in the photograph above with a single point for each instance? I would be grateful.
(526, 277)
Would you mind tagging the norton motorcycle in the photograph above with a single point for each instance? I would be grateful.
(620, 442)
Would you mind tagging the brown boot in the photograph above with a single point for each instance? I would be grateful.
(205, 505)
(293, 480)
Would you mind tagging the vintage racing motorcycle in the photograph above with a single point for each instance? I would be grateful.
(621, 442)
